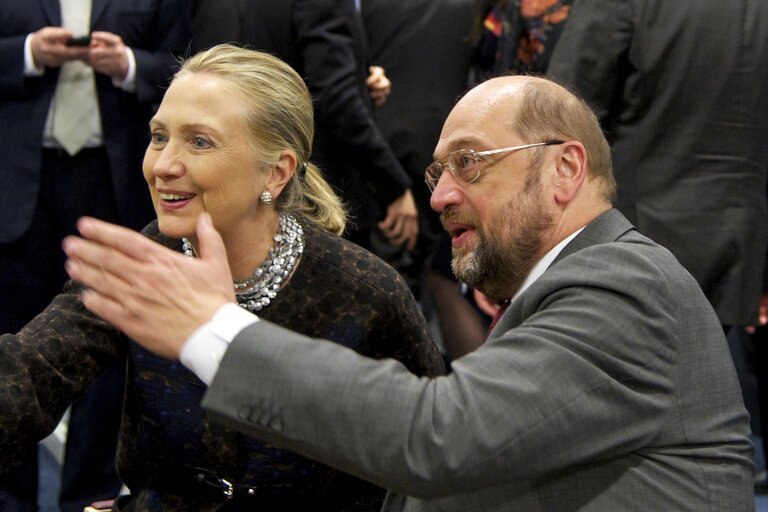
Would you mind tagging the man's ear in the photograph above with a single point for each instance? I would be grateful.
(282, 172)
(571, 171)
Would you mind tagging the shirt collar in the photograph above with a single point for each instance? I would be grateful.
(544, 263)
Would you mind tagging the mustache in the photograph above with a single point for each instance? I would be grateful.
(451, 215)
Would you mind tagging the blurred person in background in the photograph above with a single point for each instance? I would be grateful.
(73, 129)
(324, 42)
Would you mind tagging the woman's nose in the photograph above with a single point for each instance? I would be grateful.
(166, 162)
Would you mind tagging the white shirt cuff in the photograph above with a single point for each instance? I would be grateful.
(30, 68)
(128, 84)
(203, 351)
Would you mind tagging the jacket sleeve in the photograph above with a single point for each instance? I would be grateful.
(157, 58)
(327, 47)
(46, 366)
(12, 66)
(592, 53)
(564, 387)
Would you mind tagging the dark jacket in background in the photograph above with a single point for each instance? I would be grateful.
(155, 30)
(318, 39)
(422, 45)
(681, 88)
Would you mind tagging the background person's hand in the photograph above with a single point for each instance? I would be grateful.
(156, 296)
(762, 314)
(49, 47)
(401, 225)
(488, 306)
(379, 86)
(107, 55)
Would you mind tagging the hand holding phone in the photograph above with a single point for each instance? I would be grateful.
(78, 41)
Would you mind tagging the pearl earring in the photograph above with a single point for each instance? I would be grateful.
(266, 197)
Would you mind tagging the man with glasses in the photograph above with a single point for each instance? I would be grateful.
(605, 385)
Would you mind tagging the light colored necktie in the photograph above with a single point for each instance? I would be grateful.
(74, 105)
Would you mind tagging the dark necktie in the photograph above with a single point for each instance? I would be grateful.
(502, 308)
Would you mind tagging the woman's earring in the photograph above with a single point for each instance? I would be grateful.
(266, 197)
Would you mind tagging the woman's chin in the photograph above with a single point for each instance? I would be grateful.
(172, 228)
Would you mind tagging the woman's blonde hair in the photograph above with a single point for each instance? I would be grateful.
(280, 116)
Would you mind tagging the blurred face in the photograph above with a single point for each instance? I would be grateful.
(498, 223)
(201, 159)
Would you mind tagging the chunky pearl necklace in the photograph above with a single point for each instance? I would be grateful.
(257, 291)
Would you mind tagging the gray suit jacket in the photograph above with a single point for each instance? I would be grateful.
(607, 386)
(681, 88)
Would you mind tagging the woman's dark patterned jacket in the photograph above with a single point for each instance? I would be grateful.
(338, 292)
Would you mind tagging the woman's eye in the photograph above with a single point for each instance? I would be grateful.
(158, 138)
(200, 143)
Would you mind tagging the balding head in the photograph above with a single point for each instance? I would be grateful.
(538, 109)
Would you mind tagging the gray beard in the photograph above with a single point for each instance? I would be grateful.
(490, 271)
(497, 266)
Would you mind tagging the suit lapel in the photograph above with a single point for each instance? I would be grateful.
(52, 11)
(607, 227)
(97, 10)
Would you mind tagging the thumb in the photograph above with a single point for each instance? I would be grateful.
(211, 245)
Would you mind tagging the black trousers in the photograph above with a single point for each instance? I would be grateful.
(760, 362)
(33, 273)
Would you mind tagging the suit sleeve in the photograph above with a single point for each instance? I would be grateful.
(12, 66)
(156, 59)
(563, 388)
(327, 46)
(591, 54)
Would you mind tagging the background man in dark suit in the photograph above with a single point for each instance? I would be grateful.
(680, 89)
(423, 46)
(47, 181)
(606, 385)
(319, 39)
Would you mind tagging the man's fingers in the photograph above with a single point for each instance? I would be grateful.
(106, 308)
(403, 231)
(398, 228)
(211, 245)
(98, 255)
(96, 277)
(117, 237)
(107, 270)
(411, 244)
(105, 38)
(115, 313)
(406, 237)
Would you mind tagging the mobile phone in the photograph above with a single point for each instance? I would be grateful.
(78, 41)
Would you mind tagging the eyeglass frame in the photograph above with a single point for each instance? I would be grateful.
(431, 181)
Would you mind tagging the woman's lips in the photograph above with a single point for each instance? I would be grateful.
(174, 200)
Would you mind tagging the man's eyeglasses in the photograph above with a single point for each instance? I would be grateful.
(464, 164)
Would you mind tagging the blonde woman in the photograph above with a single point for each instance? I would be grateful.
(232, 138)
